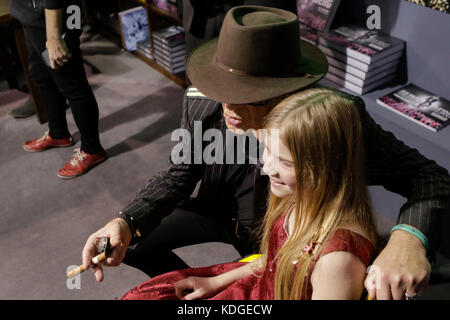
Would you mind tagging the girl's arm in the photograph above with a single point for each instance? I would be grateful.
(202, 287)
(338, 276)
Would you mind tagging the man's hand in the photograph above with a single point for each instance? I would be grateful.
(58, 52)
(401, 268)
(119, 235)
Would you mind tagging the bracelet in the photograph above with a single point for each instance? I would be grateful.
(414, 231)
(130, 221)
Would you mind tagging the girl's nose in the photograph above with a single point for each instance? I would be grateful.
(268, 167)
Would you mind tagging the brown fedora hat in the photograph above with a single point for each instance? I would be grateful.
(257, 56)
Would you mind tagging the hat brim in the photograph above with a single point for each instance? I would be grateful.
(224, 86)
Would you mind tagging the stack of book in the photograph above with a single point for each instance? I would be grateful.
(170, 48)
(145, 48)
(360, 59)
(315, 16)
(419, 105)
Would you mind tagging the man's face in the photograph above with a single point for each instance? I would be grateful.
(241, 117)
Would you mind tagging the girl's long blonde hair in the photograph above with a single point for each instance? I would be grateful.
(322, 130)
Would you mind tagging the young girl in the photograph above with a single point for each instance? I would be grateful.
(318, 234)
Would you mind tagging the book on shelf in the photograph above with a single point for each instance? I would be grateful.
(358, 64)
(419, 105)
(145, 48)
(315, 16)
(174, 51)
(367, 46)
(359, 69)
(134, 27)
(174, 69)
(146, 54)
(357, 81)
(170, 36)
(356, 88)
(169, 59)
(388, 67)
(169, 64)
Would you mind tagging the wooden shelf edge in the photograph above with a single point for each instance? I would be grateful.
(179, 78)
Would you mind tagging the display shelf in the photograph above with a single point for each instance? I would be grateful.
(157, 18)
(178, 78)
(435, 145)
(427, 65)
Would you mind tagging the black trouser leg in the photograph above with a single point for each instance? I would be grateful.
(67, 82)
(154, 256)
(54, 101)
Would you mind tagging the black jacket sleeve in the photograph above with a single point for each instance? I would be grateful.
(54, 4)
(163, 192)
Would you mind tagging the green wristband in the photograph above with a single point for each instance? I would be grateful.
(415, 232)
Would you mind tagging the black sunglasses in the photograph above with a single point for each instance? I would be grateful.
(260, 103)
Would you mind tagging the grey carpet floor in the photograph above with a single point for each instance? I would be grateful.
(45, 221)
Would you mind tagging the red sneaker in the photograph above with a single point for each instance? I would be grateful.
(45, 142)
(81, 163)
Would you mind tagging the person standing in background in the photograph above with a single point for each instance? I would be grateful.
(202, 19)
(63, 79)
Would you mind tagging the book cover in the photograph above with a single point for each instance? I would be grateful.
(357, 42)
(134, 27)
(418, 105)
(171, 35)
(317, 14)
(172, 41)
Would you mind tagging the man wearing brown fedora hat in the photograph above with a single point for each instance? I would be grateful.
(238, 78)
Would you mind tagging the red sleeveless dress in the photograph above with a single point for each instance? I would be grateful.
(252, 287)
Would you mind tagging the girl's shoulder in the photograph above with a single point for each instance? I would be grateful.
(349, 239)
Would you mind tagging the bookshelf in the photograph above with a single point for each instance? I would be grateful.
(157, 18)
(426, 64)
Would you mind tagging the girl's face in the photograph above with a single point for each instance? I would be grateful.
(279, 166)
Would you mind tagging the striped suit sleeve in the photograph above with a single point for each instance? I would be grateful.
(405, 171)
(163, 192)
